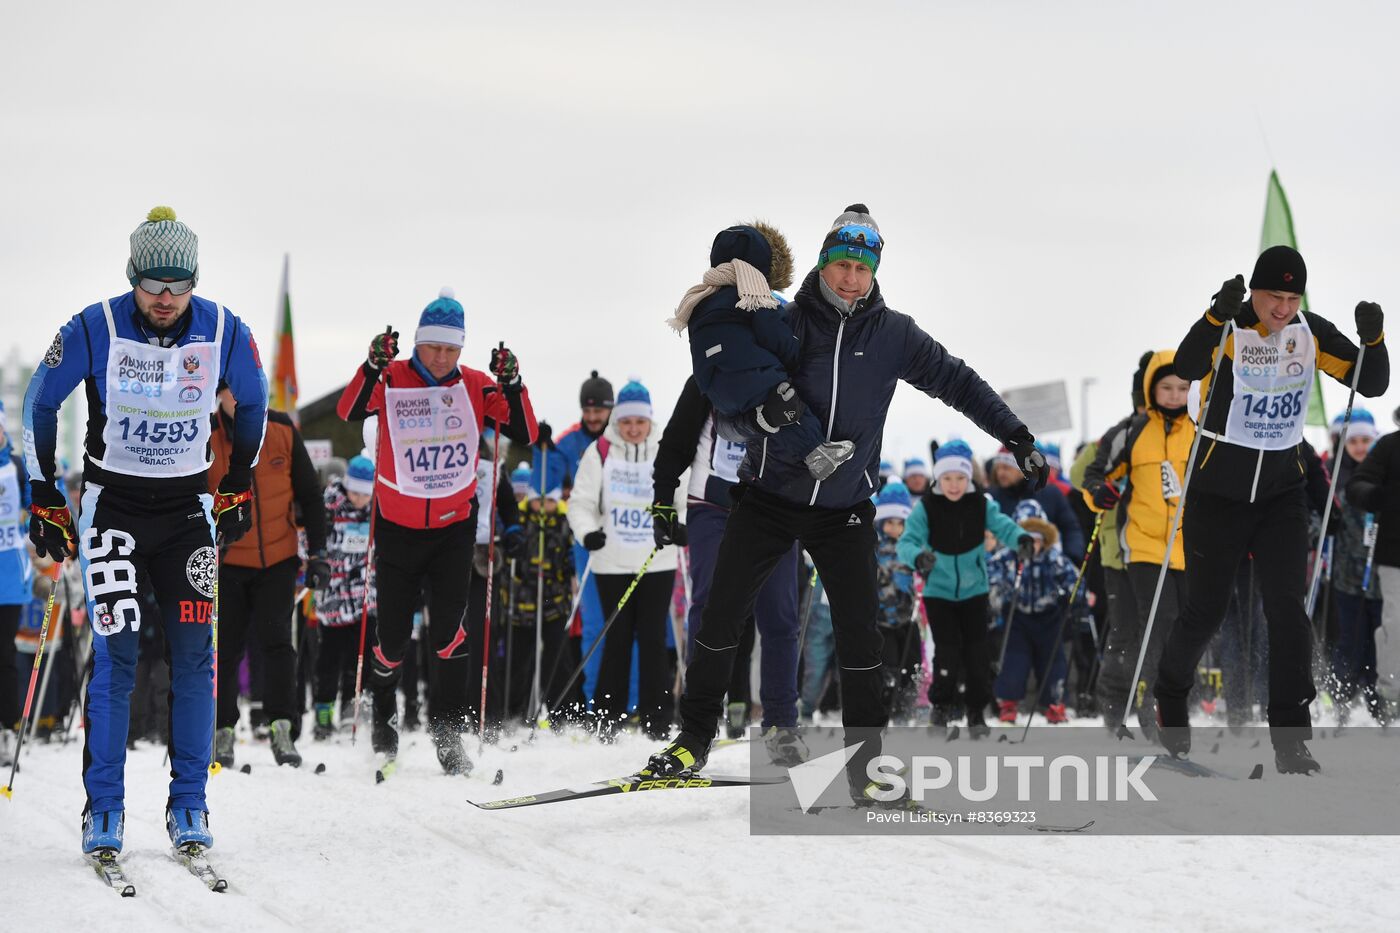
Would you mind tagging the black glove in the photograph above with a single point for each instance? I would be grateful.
(318, 571)
(544, 436)
(1365, 495)
(1106, 496)
(504, 366)
(1025, 548)
(666, 527)
(233, 514)
(1370, 322)
(781, 408)
(1227, 303)
(595, 540)
(515, 544)
(1031, 461)
(383, 348)
(924, 563)
(50, 523)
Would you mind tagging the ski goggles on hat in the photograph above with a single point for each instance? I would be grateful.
(156, 286)
(858, 242)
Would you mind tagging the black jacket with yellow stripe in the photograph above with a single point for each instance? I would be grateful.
(1228, 470)
(1147, 453)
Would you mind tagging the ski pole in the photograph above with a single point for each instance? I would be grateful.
(627, 594)
(1336, 472)
(1368, 536)
(807, 611)
(368, 566)
(214, 766)
(559, 654)
(510, 631)
(536, 690)
(1058, 644)
(490, 574)
(44, 678)
(1123, 731)
(1010, 615)
(55, 570)
(680, 629)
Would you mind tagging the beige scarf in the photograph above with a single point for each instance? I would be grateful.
(754, 292)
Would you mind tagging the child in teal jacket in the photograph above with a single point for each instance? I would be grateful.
(945, 542)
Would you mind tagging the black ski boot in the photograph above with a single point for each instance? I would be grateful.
(977, 727)
(284, 750)
(785, 746)
(451, 753)
(686, 755)
(223, 746)
(1291, 756)
(1174, 726)
(384, 735)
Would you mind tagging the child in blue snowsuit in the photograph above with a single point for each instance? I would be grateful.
(894, 582)
(1046, 582)
(743, 351)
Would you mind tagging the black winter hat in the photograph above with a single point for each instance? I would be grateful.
(759, 244)
(1279, 269)
(596, 392)
(1140, 400)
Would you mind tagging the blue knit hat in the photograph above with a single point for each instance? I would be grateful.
(915, 467)
(163, 248)
(443, 321)
(520, 480)
(1051, 453)
(634, 401)
(1028, 508)
(359, 475)
(953, 457)
(893, 502)
(1363, 424)
(886, 469)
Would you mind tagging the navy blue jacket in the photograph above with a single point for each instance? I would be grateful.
(1057, 511)
(847, 372)
(738, 356)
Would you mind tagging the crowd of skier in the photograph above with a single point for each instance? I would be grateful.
(472, 569)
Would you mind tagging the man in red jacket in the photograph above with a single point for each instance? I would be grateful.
(431, 413)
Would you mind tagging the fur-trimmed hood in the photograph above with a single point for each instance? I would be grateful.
(1039, 526)
(780, 271)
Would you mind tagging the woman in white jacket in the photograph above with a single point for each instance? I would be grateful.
(608, 514)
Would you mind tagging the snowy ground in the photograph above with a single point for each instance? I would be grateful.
(336, 852)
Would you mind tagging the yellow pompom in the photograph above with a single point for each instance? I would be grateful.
(161, 213)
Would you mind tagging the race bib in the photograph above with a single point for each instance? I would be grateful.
(626, 495)
(483, 506)
(1171, 483)
(433, 434)
(1273, 381)
(725, 457)
(352, 537)
(12, 525)
(159, 400)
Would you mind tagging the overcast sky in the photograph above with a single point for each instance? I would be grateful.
(1061, 185)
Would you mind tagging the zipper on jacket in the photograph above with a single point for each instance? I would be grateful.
(257, 518)
(835, 385)
(763, 460)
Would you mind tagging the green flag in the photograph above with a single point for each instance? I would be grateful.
(1278, 231)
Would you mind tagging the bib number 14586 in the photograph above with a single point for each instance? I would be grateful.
(1273, 407)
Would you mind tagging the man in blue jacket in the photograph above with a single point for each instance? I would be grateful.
(152, 361)
(854, 351)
